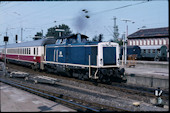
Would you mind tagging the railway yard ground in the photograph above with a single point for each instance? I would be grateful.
(116, 97)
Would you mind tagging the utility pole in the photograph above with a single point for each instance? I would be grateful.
(42, 32)
(123, 56)
(5, 40)
(126, 38)
(21, 33)
(115, 33)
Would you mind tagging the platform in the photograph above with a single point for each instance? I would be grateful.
(151, 74)
(16, 100)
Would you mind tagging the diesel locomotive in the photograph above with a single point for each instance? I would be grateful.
(72, 55)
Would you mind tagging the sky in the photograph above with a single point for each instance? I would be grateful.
(38, 16)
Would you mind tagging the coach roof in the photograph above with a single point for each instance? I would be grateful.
(40, 42)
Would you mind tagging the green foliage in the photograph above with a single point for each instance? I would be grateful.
(53, 33)
(98, 38)
(39, 34)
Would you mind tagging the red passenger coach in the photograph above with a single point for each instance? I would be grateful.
(27, 53)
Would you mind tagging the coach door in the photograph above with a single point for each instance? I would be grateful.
(56, 55)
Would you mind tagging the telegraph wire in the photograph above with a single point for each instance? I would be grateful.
(4, 11)
(99, 12)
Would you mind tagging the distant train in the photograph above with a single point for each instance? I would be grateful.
(72, 55)
(131, 50)
(154, 52)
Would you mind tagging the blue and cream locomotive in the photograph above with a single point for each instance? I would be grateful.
(77, 57)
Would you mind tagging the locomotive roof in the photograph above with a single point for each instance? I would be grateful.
(73, 36)
(40, 42)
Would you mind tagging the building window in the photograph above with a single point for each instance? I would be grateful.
(160, 42)
(140, 42)
(133, 42)
(130, 42)
(164, 42)
(151, 42)
(156, 42)
(37, 51)
(137, 42)
(148, 42)
(144, 42)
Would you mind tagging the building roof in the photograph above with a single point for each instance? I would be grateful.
(149, 33)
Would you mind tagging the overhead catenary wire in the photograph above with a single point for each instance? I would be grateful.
(91, 14)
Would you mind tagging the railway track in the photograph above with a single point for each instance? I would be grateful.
(74, 103)
(129, 89)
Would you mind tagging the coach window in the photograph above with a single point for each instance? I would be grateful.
(158, 50)
(34, 51)
(37, 50)
(25, 50)
(144, 51)
(153, 51)
(149, 51)
(29, 51)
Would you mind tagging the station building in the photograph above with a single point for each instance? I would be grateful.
(153, 36)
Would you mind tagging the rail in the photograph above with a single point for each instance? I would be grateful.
(60, 99)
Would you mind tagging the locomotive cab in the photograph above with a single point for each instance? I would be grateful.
(72, 39)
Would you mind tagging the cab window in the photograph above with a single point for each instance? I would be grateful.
(59, 41)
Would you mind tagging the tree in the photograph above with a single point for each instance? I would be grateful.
(98, 38)
(39, 34)
(56, 34)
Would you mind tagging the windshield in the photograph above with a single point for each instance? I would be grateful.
(59, 41)
(64, 41)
